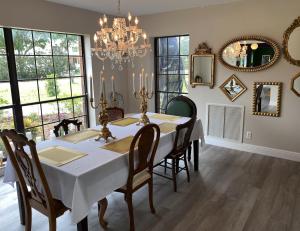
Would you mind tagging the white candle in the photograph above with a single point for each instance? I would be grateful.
(101, 83)
(140, 81)
(143, 78)
(146, 82)
(91, 87)
(133, 82)
(103, 88)
(113, 85)
(152, 82)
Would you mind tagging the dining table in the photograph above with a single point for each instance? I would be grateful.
(84, 181)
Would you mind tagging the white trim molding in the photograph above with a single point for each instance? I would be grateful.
(266, 151)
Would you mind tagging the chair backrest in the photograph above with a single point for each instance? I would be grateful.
(28, 170)
(142, 151)
(183, 136)
(65, 125)
(115, 113)
(181, 106)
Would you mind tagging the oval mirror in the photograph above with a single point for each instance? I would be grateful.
(249, 53)
(291, 44)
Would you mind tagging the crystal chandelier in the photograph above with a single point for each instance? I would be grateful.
(121, 42)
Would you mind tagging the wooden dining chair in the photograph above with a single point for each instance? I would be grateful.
(141, 156)
(178, 152)
(115, 113)
(30, 174)
(65, 125)
(182, 106)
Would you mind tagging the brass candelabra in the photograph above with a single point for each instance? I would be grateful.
(105, 133)
(103, 118)
(143, 95)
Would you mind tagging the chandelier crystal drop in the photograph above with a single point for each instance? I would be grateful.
(122, 41)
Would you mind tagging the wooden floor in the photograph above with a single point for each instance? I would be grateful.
(233, 191)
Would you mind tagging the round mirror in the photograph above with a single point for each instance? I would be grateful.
(291, 43)
(249, 53)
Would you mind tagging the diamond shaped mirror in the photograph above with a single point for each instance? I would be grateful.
(295, 86)
(233, 88)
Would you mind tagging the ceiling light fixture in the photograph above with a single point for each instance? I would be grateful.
(121, 42)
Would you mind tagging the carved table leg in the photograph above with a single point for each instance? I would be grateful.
(102, 206)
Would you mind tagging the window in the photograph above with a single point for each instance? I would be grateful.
(172, 69)
(47, 74)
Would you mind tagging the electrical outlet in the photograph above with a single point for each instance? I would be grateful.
(248, 135)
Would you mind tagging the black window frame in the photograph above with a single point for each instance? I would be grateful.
(157, 74)
(16, 105)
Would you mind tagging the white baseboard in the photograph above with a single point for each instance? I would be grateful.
(284, 154)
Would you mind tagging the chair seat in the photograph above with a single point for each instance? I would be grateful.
(139, 179)
(59, 207)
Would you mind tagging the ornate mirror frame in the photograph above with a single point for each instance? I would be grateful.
(278, 108)
(292, 85)
(286, 37)
(202, 51)
(274, 45)
(244, 88)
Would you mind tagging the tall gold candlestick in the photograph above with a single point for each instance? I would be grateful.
(105, 133)
(143, 95)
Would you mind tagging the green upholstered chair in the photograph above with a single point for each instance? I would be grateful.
(181, 106)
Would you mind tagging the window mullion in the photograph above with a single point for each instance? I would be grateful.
(15, 93)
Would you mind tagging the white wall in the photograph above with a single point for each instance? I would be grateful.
(218, 24)
(42, 15)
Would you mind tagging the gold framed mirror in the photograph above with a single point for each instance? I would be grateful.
(233, 88)
(291, 44)
(202, 67)
(249, 53)
(267, 98)
(295, 84)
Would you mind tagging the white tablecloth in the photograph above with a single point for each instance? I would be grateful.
(83, 182)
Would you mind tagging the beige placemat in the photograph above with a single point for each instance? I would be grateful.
(124, 122)
(121, 146)
(165, 117)
(167, 127)
(58, 156)
(80, 136)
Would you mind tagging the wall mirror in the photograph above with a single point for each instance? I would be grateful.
(295, 84)
(249, 53)
(202, 67)
(233, 88)
(267, 98)
(291, 43)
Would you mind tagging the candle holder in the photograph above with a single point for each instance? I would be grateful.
(143, 95)
(105, 133)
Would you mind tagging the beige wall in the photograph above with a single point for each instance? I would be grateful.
(218, 24)
(39, 14)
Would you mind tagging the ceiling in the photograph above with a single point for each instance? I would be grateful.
(139, 7)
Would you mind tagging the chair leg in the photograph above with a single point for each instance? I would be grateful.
(102, 206)
(189, 152)
(174, 174)
(150, 188)
(186, 168)
(130, 210)
(177, 165)
(52, 223)
(166, 161)
(28, 217)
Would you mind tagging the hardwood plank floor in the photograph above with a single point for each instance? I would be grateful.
(233, 191)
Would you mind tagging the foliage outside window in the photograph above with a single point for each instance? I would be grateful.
(172, 69)
(49, 71)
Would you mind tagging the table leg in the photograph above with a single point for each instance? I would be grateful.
(83, 225)
(196, 154)
(21, 204)
(102, 206)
